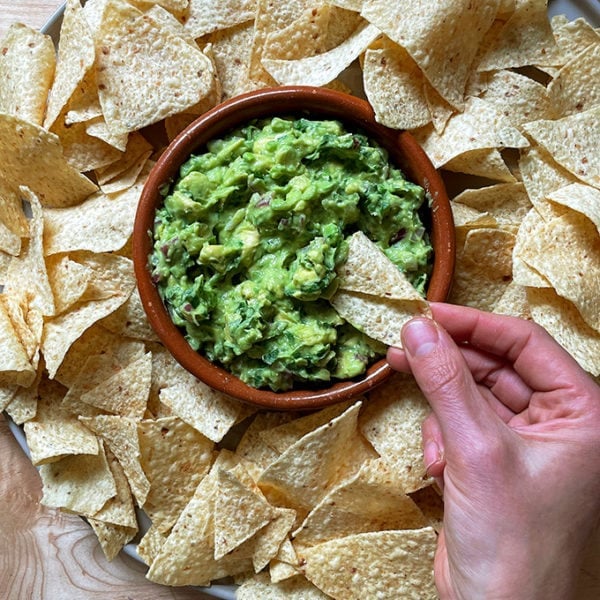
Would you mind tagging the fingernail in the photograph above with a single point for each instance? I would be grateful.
(419, 337)
(431, 454)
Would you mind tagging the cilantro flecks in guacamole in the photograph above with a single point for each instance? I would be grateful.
(247, 243)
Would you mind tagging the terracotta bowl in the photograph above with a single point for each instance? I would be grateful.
(306, 101)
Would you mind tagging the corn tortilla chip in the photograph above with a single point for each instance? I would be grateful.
(16, 367)
(29, 154)
(119, 510)
(442, 37)
(76, 55)
(27, 275)
(371, 564)
(304, 473)
(232, 499)
(394, 87)
(566, 251)
(563, 322)
(526, 38)
(323, 68)
(174, 456)
(573, 142)
(27, 63)
(125, 45)
(582, 198)
(575, 87)
(206, 16)
(82, 483)
(372, 500)
(210, 412)
(295, 588)
(479, 126)
(121, 437)
(391, 422)
(111, 537)
(54, 433)
(126, 392)
(62, 331)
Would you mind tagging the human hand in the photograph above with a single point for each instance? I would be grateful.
(514, 440)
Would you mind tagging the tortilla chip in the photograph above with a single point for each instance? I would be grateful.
(573, 142)
(585, 199)
(81, 484)
(83, 151)
(206, 16)
(566, 251)
(372, 500)
(270, 17)
(232, 50)
(76, 55)
(121, 437)
(232, 499)
(484, 268)
(371, 564)
(111, 537)
(507, 203)
(281, 437)
(27, 276)
(174, 456)
(95, 367)
(487, 127)
(61, 332)
(442, 37)
(54, 433)
(305, 472)
(394, 87)
(27, 63)
(125, 393)
(22, 407)
(563, 322)
(260, 586)
(487, 163)
(513, 302)
(391, 422)
(519, 98)
(322, 69)
(29, 154)
(187, 555)
(542, 176)
(137, 86)
(16, 368)
(119, 510)
(252, 447)
(210, 412)
(379, 318)
(525, 39)
(572, 37)
(100, 224)
(575, 87)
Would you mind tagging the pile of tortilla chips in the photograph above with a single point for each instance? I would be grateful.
(334, 503)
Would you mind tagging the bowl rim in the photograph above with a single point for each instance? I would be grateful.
(285, 100)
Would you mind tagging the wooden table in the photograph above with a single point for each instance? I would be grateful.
(48, 555)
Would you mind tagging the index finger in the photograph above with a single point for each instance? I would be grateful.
(540, 361)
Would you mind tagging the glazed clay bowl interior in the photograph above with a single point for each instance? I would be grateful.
(309, 102)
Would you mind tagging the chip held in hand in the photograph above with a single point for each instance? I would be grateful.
(374, 295)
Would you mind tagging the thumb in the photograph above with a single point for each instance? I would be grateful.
(444, 377)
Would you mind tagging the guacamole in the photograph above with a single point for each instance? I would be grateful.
(248, 239)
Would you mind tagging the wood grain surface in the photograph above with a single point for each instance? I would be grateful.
(48, 555)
